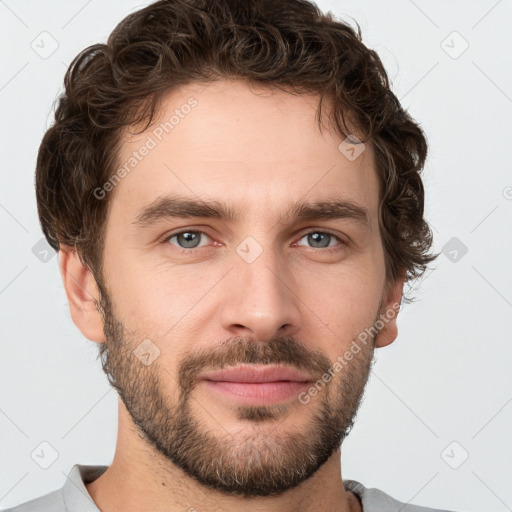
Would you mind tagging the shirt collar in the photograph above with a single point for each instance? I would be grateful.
(74, 491)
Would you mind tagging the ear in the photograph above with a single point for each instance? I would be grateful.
(389, 312)
(83, 294)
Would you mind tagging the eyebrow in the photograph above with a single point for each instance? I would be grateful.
(170, 207)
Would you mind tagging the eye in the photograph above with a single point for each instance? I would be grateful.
(323, 239)
(191, 239)
(188, 239)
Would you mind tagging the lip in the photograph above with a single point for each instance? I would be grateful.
(257, 393)
(256, 385)
(257, 374)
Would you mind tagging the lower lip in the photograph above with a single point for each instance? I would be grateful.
(258, 393)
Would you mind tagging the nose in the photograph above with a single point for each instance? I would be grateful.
(260, 299)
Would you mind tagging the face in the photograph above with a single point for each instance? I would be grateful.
(284, 279)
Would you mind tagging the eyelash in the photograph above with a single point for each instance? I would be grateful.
(341, 244)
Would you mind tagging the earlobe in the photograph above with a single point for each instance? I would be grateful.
(389, 313)
(82, 293)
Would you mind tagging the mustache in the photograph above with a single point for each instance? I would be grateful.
(283, 350)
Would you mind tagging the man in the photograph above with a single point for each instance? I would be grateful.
(236, 199)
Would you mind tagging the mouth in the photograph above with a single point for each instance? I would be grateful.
(257, 385)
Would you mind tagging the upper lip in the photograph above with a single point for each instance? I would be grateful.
(253, 373)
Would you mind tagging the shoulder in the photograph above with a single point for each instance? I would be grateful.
(73, 496)
(375, 500)
(51, 502)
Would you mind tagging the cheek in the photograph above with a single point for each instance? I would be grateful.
(343, 302)
(159, 301)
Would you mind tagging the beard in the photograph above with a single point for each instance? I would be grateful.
(260, 459)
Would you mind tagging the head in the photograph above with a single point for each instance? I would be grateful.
(202, 186)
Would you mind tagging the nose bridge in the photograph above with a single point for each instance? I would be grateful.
(259, 301)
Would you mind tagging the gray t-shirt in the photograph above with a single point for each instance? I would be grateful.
(73, 496)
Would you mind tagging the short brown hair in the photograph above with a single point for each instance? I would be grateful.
(288, 44)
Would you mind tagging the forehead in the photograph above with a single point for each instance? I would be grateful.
(244, 145)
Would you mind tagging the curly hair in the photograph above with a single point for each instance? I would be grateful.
(290, 44)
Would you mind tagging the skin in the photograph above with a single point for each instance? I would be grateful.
(258, 153)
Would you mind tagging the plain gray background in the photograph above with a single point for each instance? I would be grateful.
(440, 393)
